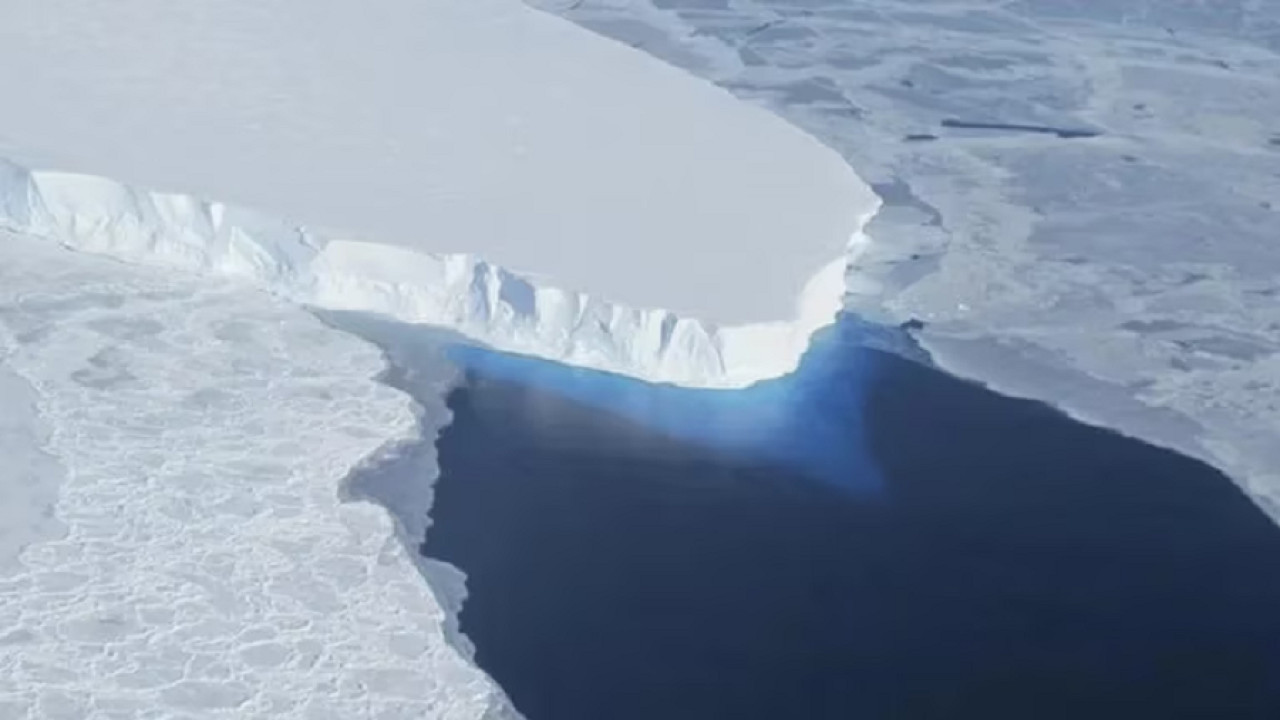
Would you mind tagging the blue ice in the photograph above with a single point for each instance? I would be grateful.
(811, 421)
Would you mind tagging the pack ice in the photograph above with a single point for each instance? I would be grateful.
(492, 169)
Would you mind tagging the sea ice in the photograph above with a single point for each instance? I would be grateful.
(491, 169)
(29, 477)
(209, 566)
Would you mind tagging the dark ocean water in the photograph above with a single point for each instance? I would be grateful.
(869, 538)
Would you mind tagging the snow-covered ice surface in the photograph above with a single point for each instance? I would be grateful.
(207, 566)
(482, 127)
(1081, 197)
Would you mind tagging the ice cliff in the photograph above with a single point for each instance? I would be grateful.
(511, 175)
(459, 291)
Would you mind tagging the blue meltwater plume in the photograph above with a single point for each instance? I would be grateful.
(810, 421)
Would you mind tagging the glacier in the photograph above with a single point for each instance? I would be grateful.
(481, 166)
(1081, 201)
(201, 445)
(458, 291)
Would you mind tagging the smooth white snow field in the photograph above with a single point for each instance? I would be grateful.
(482, 127)
(1131, 278)
(206, 566)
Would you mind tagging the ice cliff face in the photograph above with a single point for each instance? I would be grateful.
(459, 291)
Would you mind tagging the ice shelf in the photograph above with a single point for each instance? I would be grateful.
(1081, 200)
(457, 291)
(508, 174)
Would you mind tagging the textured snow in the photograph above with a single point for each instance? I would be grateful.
(481, 127)
(207, 566)
(1081, 198)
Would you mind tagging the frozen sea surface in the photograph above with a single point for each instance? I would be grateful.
(1082, 199)
(205, 564)
(201, 560)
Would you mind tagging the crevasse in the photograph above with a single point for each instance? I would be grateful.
(459, 291)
